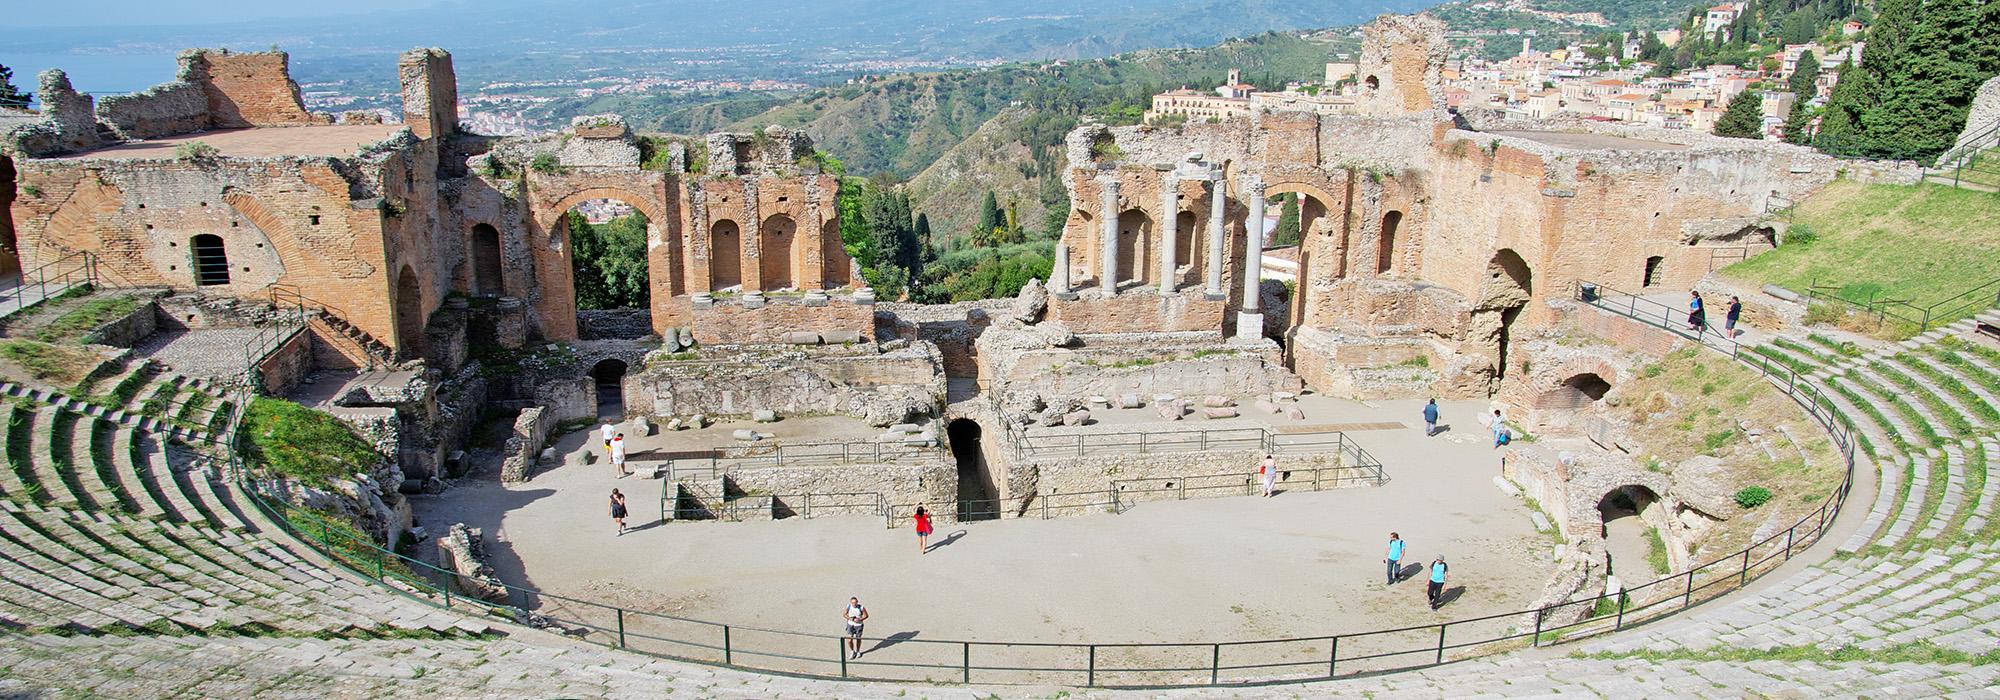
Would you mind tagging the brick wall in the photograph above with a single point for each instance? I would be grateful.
(729, 321)
(1140, 311)
(287, 365)
(246, 89)
(430, 92)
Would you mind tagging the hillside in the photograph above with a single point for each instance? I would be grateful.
(993, 160)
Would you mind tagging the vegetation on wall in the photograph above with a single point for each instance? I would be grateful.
(1910, 95)
(308, 445)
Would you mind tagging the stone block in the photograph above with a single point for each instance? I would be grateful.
(697, 421)
(640, 426)
(764, 416)
(1283, 396)
(838, 337)
(1218, 412)
(745, 435)
(1077, 417)
(1164, 398)
(675, 424)
(1217, 401)
(1130, 401)
(800, 338)
(1293, 413)
(548, 455)
(905, 428)
(1169, 410)
(1266, 406)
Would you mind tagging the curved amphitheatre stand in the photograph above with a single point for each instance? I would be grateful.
(1157, 664)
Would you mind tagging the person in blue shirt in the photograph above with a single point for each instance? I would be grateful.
(1431, 418)
(1436, 590)
(1395, 558)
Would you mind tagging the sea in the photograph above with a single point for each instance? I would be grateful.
(94, 73)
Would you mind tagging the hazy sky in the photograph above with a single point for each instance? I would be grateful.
(99, 13)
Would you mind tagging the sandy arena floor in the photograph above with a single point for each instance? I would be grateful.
(1215, 569)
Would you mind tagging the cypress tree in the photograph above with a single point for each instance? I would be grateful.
(9, 95)
(1909, 96)
(1744, 118)
(1805, 76)
(989, 214)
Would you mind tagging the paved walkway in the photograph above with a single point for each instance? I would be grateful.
(207, 352)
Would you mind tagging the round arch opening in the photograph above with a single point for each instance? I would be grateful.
(609, 378)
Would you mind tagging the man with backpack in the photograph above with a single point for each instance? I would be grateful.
(1431, 418)
(1436, 590)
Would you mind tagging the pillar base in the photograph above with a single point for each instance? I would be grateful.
(1215, 296)
(1065, 296)
(1249, 327)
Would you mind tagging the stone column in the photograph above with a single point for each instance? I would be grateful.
(1059, 274)
(1250, 321)
(1169, 232)
(1107, 252)
(1218, 239)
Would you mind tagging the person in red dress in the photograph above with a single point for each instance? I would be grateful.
(923, 530)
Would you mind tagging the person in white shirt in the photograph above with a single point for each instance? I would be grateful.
(607, 432)
(618, 455)
(854, 616)
(1268, 471)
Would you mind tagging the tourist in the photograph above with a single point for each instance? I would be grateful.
(1395, 558)
(1729, 319)
(618, 455)
(1697, 317)
(1268, 471)
(618, 510)
(855, 615)
(923, 530)
(1431, 418)
(1501, 435)
(1436, 589)
(607, 432)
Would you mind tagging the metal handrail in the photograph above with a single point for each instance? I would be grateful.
(1272, 660)
(80, 271)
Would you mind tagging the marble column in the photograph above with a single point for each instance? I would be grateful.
(1059, 273)
(1107, 252)
(1169, 231)
(1218, 238)
(1250, 321)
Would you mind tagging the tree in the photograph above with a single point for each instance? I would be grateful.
(1745, 117)
(9, 96)
(989, 213)
(608, 262)
(1798, 124)
(1805, 77)
(1909, 96)
(1287, 232)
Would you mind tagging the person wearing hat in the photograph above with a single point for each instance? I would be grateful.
(1436, 589)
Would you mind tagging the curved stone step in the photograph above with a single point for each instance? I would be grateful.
(11, 481)
(1932, 397)
(1954, 494)
(1905, 417)
(82, 462)
(42, 461)
(1919, 475)
(1882, 512)
(124, 447)
(1989, 492)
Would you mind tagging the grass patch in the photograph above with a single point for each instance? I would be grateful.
(1842, 348)
(1874, 414)
(348, 543)
(1909, 413)
(1953, 386)
(21, 430)
(122, 392)
(156, 405)
(86, 317)
(1799, 349)
(1951, 416)
(55, 364)
(308, 445)
(1656, 552)
(1925, 653)
(1792, 363)
(1895, 241)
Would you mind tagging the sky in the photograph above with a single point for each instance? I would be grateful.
(111, 13)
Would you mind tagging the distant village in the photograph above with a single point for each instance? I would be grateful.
(1584, 80)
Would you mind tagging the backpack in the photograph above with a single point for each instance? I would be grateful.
(1505, 436)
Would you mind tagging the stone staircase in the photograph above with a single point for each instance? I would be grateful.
(141, 393)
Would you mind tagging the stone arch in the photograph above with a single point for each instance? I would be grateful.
(409, 301)
(835, 271)
(1372, 83)
(725, 255)
(1578, 391)
(1623, 513)
(645, 204)
(608, 376)
(485, 251)
(1385, 248)
(1135, 249)
(208, 260)
(776, 239)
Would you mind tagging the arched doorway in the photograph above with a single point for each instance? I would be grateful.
(1651, 277)
(609, 377)
(211, 260)
(486, 262)
(10, 255)
(409, 301)
(1385, 251)
(1135, 230)
(1505, 292)
(774, 253)
(1629, 539)
(976, 499)
(725, 255)
(608, 251)
(1584, 389)
(833, 257)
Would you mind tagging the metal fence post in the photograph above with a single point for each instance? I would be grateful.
(965, 661)
(1619, 623)
(378, 563)
(1333, 658)
(1440, 657)
(1539, 614)
(1214, 663)
(621, 627)
(1688, 598)
(728, 652)
(840, 652)
(1090, 679)
(1788, 541)
(1744, 577)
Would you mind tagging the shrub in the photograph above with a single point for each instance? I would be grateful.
(196, 151)
(1753, 496)
(1800, 234)
(545, 163)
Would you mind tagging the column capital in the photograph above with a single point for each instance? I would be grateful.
(1253, 185)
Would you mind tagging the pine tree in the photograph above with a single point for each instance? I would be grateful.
(1798, 124)
(1909, 96)
(9, 95)
(1745, 117)
(1805, 77)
